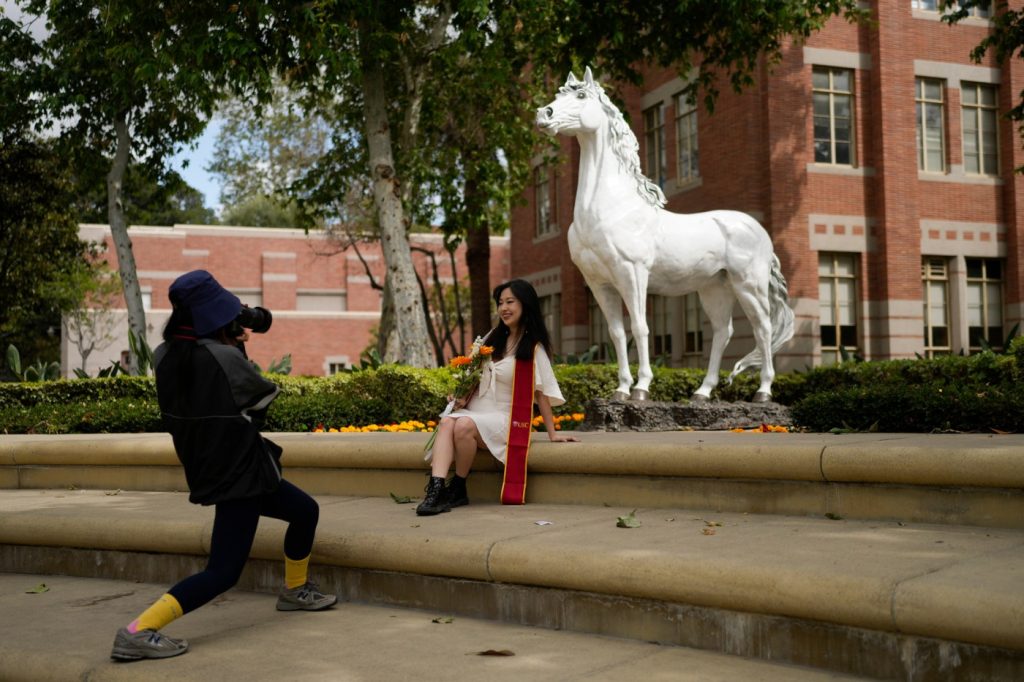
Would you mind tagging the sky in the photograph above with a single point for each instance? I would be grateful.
(198, 158)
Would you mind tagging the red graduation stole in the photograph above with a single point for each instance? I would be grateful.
(513, 485)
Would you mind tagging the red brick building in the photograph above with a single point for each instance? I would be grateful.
(879, 160)
(325, 309)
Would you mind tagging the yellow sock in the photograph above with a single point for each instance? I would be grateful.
(295, 572)
(156, 617)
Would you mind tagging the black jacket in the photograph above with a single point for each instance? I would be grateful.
(213, 402)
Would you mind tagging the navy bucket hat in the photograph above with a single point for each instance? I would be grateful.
(212, 305)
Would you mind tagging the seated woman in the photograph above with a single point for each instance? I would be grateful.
(487, 421)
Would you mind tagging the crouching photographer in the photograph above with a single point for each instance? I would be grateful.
(213, 402)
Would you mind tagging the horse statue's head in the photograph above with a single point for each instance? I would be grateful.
(581, 107)
(577, 108)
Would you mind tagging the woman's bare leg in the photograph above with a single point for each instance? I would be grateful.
(444, 448)
(467, 441)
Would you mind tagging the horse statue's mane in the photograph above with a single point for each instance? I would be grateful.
(624, 143)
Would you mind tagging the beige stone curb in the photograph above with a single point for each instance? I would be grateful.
(961, 584)
(966, 460)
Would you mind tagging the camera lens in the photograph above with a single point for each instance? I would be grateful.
(257, 319)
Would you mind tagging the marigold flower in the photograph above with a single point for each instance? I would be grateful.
(486, 350)
(460, 361)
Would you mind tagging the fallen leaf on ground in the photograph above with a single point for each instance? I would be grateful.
(444, 620)
(834, 517)
(542, 523)
(711, 523)
(707, 531)
(628, 521)
(496, 652)
(38, 589)
(400, 499)
(113, 492)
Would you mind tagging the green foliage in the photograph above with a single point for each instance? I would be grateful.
(977, 392)
(389, 394)
(260, 210)
(40, 370)
(119, 415)
(39, 242)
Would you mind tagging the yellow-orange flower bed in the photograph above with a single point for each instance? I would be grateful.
(414, 426)
(764, 428)
(411, 426)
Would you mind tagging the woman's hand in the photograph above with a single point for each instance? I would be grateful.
(560, 438)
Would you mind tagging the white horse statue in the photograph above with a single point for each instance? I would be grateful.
(626, 245)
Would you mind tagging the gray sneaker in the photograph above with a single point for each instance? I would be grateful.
(132, 646)
(306, 597)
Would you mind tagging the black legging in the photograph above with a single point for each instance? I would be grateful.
(234, 527)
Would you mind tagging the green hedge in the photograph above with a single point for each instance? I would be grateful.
(978, 392)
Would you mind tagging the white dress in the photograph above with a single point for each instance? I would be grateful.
(491, 407)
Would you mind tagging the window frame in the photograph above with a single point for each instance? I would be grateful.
(834, 95)
(544, 205)
(921, 106)
(654, 144)
(687, 140)
(833, 277)
(978, 107)
(984, 283)
(931, 275)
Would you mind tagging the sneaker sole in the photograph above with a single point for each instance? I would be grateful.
(299, 607)
(134, 655)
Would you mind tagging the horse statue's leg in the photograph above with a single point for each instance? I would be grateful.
(610, 302)
(635, 297)
(717, 301)
(753, 298)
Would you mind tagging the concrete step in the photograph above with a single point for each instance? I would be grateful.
(240, 636)
(894, 600)
(964, 479)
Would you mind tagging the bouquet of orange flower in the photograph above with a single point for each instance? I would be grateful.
(467, 370)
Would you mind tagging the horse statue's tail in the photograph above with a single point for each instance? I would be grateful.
(781, 316)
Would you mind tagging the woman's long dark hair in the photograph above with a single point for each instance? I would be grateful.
(532, 323)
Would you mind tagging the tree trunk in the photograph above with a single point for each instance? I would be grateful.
(411, 346)
(122, 243)
(478, 261)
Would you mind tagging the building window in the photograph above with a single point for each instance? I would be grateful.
(598, 333)
(687, 168)
(984, 303)
(833, 115)
(693, 326)
(659, 337)
(981, 143)
(837, 302)
(545, 215)
(336, 368)
(551, 312)
(935, 280)
(654, 140)
(931, 155)
(950, 6)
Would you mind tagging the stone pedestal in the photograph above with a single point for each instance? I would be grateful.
(713, 415)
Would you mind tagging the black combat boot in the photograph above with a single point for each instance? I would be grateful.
(436, 499)
(457, 496)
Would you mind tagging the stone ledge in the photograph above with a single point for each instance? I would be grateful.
(713, 415)
(884, 577)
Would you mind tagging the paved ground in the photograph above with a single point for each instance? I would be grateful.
(66, 632)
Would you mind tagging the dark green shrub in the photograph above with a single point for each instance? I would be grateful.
(76, 390)
(386, 395)
(119, 415)
(913, 408)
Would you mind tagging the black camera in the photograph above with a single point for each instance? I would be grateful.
(257, 319)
